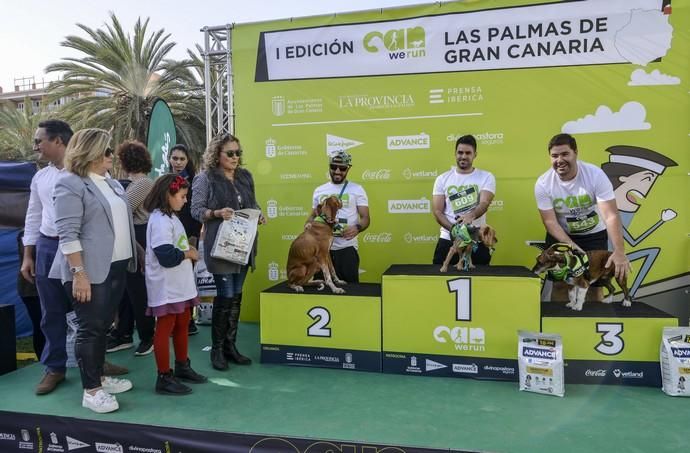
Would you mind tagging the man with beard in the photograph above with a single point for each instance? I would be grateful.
(462, 195)
(577, 204)
(353, 217)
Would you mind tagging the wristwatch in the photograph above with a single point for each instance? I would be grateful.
(76, 269)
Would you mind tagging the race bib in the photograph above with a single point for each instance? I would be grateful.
(464, 200)
(582, 224)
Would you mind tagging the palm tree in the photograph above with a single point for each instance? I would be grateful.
(17, 128)
(118, 77)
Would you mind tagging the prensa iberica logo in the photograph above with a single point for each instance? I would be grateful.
(398, 44)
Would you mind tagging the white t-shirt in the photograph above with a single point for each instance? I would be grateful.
(353, 196)
(462, 193)
(575, 201)
(167, 285)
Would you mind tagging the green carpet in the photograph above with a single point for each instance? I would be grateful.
(376, 408)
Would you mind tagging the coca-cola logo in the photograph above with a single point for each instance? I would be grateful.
(381, 238)
(378, 175)
(595, 373)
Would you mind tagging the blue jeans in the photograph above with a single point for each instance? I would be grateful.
(55, 304)
(229, 285)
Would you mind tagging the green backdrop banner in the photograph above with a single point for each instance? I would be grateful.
(396, 88)
(161, 137)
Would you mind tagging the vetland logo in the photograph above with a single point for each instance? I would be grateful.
(628, 374)
(408, 174)
(398, 44)
(465, 368)
(378, 238)
(595, 373)
(463, 338)
(397, 142)
(335, 144)
(420, 238)
(539, 353)
(382, 174)
(421, 206)
(273, 149)
(375, 102)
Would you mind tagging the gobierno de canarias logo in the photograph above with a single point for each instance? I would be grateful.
(398, 43)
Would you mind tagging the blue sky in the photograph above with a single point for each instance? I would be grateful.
(31, 30)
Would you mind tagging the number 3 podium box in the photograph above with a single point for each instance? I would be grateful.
(609, 343)
(461, 324)
(322, 329)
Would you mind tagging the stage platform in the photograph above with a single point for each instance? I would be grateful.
(351, 408)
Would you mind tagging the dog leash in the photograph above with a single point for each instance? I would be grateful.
(337, 227)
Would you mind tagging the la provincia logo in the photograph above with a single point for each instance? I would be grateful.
(335, 144)
(421, 206)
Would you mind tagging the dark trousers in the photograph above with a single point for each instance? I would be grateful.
(481, 256)
(345, 263)
(132, 307)
(55, 304)
(33, 308)
(94, 318)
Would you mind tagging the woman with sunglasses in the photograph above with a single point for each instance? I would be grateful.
(181, 164)
(94, 223)
(218, 191)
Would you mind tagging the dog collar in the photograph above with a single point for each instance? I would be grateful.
(460, 232)
(576, 264)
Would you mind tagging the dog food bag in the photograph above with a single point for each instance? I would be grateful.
(540, 362)
(675, 361)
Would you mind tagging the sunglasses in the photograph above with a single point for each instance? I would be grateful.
(109, 152)
(342, 168)
(231, 154)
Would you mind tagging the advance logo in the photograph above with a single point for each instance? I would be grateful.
(539, 353)
(421, 206)
(396, 142)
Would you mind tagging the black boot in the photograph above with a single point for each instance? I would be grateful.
(167, 384)
(184, 371)
(219, 329)
(229, 347)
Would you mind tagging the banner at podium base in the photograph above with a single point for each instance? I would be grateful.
(450, 366)
(646, 374)
(321, 357)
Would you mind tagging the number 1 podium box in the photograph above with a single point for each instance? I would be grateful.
(609, 343)
(460, 324)
(322, 329)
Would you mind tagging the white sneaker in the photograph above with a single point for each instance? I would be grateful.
(114, 385)
(101, 402)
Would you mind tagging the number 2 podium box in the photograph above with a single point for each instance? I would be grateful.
(461, 324)
(322, 329)
(609, 343)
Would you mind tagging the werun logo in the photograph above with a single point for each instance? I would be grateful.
(335, 144)
(75, 444)
(421, 206)
(463, 338)
(430, 365)
(396, 142)
(399, 43)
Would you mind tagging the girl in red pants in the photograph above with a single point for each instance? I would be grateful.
(170, 283)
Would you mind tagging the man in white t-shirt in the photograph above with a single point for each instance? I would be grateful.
(353, 217)
(577, 204)
(462, 195)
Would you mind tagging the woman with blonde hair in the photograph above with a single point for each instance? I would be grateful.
(94, 224)
(217, 193)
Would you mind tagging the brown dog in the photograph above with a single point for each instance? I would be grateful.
(561, 259)
(310, 251)
(484, 234)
